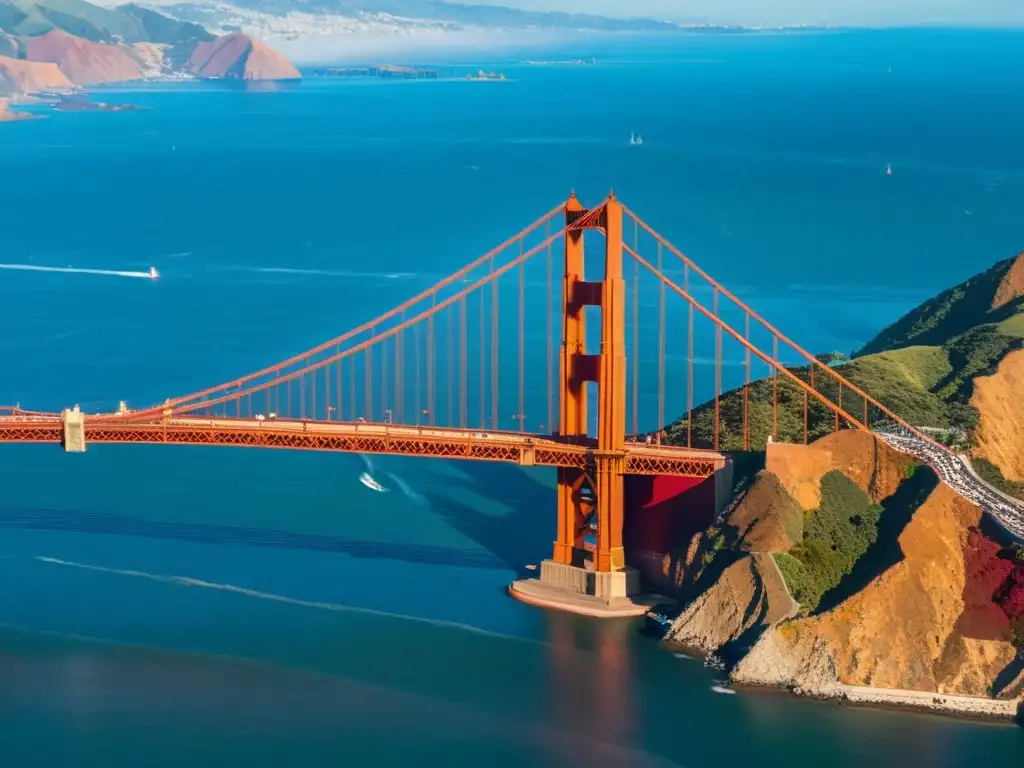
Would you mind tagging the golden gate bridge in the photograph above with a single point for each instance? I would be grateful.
(435, 377)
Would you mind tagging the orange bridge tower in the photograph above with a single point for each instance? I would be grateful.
(594, 496)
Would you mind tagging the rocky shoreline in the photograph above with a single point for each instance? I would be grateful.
(9, 116)
(895, 643)
(925, 702)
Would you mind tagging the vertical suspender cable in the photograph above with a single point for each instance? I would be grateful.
(522, 342)
(661, 344)
(636, 330)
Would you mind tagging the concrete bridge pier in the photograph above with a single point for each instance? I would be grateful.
(73, 423)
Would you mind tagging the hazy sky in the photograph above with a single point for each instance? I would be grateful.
(1000, 12)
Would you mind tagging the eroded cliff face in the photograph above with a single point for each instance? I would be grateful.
(83, 61)
(863, 458)
(1011, 287)
(239, 57)
(901, 631)
(767, 518)
(20, 76)
(746, 598)
(1000, 401)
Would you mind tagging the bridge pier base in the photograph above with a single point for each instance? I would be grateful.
(73, 433)
(575, 589)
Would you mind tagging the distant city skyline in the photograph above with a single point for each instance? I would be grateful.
(854, 12)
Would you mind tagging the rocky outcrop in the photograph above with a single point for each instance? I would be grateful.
(19, 76)
(1000, 402)
(93, 45)
(83, 61)
(901, 631)
(1011, 287)
(862, 457)
(6, 116)
(747, 597)
(767, 518)
(239, 57)
(674, 573)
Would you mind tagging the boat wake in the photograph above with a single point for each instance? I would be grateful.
(327, 273)
(405, 488)
(186, 581)
(367, 479)
(150, 275)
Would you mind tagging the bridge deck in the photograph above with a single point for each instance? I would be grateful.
(349, 437)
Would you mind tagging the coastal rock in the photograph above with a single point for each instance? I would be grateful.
(20, 76)
(746, 598)
(900, 632)
(1000, 402)
(866, 460)
(6, 116)
(83, 61)
(673, 573)
(239, 57)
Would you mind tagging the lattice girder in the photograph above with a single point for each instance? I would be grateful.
(511, 448)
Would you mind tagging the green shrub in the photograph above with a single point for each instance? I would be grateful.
(836, 536)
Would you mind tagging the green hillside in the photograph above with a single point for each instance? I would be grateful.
(950, 314)
(9, 46)
(37, 17)
(126, 23)
(921, 367)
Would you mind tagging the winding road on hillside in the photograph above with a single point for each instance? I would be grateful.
(956, 472)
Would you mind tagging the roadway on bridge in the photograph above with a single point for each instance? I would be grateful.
(364, 437)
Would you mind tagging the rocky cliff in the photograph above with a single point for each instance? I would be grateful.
(19, 76)
(745, 599)
(870, 463)
(239, 57)
(1011, 286)
(92, 45)
(910, 628)
(83, 61)
(918, 595)
(999, 399)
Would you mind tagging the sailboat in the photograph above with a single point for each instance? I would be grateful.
(888, 169)
(635, 139)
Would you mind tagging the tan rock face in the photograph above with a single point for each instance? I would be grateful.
(768, 519)
(869, 462)
(264, 63)
(239, 57)
(1012, 285)
(83, 61)
(1000, 401)
(19, 76)
(901, 630)
(748, 595)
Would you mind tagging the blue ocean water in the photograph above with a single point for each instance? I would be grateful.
(163, 605)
